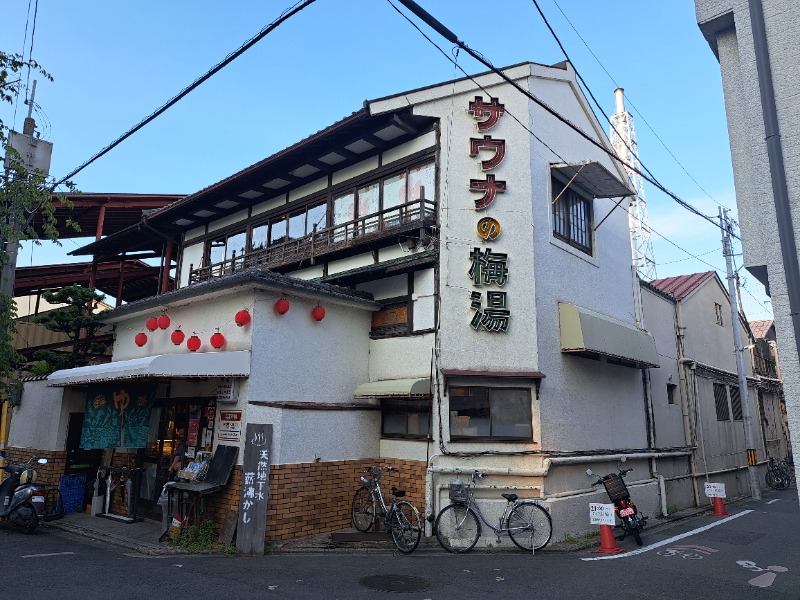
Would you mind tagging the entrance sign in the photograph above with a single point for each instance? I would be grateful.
(230, 426)
(601, 514)
(715, 490)
(255, 489)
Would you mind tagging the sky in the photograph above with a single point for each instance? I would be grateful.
(115, 63)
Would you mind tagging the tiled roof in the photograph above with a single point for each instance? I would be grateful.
(682, 285)
(760, 328)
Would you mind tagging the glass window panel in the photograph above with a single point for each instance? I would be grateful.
(469, 412)
(394, 191)
(277, 232)
(368, 199)
(259, 237)
(236, 243)
(344, 209)
(317, 215)
(422, 179)
(297, 225)
(394, 420)
(511, 412)
(216, 251)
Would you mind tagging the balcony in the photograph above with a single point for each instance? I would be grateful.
(333, 240)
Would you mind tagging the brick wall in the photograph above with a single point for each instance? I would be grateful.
(48, 475)
(310, 498)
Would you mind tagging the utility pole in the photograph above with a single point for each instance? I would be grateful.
(747, 418)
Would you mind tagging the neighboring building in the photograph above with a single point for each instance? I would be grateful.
(695, 394)
(727, 26)
(441, 281)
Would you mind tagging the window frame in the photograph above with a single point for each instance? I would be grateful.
(562, 211)
(720, 393)
(456, 437)
(407, 403)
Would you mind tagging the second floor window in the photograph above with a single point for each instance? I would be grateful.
(572, 217)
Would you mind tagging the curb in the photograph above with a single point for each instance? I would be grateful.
(148, 549)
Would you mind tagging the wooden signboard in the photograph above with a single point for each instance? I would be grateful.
(255, 489)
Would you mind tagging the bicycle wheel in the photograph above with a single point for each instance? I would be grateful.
(363, 510)
(775, 481)
(406, 527)
(529, 526)
(458, 528)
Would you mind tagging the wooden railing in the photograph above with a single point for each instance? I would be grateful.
(357, 231)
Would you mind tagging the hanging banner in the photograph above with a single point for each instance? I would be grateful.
(117, 415)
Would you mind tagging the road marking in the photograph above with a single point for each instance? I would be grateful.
(773, 501)
(43, 555)
(670, 540)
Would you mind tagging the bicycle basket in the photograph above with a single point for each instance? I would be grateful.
(459, 492)
(615, 487)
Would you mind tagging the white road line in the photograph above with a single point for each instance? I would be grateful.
(670, 540)
(43, 555)
(773, 501)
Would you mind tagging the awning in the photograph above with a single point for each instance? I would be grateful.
(395, 388)
(591, 334)
(160, 366)
(592, 178)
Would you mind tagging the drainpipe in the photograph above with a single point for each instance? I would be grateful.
(777, 169)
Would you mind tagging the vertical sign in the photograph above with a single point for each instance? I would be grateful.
(255, 490)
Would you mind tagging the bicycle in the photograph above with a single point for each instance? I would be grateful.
(779, 475)
(400, 518)
(458, 525)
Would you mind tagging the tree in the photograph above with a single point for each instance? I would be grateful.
(78, 321)
(24, 195)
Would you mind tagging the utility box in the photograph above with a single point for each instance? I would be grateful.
(35, 153)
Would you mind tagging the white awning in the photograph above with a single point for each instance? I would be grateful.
(394, 388)
(160, 366)
(589, 333)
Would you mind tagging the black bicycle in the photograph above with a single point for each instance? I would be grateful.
(779, 474)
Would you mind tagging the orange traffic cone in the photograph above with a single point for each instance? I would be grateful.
(719, 508)
(608, 544)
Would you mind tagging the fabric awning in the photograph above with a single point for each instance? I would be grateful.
(395, 388)
(160, 366)
(593, 179)
(589, 333)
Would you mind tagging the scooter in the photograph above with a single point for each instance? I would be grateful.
(22, 502)
(624, 507)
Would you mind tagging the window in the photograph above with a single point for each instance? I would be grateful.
(391, 320)
(572, 217)
(481, 412)
(736, 403)
(721, 402)
(405, 418)
(718, 313)
(671, 389)
(216, 251)
(236, 244)
(317, 217)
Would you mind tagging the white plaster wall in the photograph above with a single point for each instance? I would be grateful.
(338, 435)
(351, 262)
(227, 220)
(400, 357)
(39, 421)
(424, 300)
(314, 186)
(268, 205)
(359, 168)
(314, 272)
(388, 287)
(418, 144)
(202, 318)
(191, 257)
(404, 449)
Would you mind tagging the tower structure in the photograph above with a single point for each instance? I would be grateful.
(623, 140)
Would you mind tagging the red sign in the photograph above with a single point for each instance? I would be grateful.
(194, 429)
(230, 415)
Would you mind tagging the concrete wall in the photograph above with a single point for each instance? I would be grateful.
(42, 417)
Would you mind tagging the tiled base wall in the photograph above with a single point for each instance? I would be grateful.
(48, 475)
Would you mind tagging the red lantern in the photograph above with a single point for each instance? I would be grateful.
(151, 324)
(218, 340)
(140, 339)
(282, 306)
(177, 337)
(193, 343)
(163, 321)
(318, 313)
(242, 318)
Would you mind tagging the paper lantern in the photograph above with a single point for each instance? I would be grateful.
(151, 324)
(318, 313)
(140, 339)
(218, 340)
(242, 318)
(163, 321)
(177, 337)
(282, 306)
(193, 343)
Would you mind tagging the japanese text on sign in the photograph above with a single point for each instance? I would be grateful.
(601, 514)
(715, 490)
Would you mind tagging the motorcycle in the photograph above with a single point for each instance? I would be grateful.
(631, 520)
(22, 502)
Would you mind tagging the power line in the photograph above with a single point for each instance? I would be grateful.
(285, 15)
(451, 37)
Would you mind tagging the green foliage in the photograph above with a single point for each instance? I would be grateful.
(196, 539)
(78, 321)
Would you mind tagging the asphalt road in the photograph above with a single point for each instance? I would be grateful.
(753, 554)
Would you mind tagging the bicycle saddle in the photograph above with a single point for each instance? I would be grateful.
(398, 493)
(510, 497)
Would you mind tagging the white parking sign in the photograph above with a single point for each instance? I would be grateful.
(715, 490)
(601, 514)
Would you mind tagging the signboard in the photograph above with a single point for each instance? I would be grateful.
(255, 490)
(601, 514)
(230, 426)
(117, 415)
(226, 391)
(715, 490)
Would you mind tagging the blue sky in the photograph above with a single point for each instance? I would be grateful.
(115, 63)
